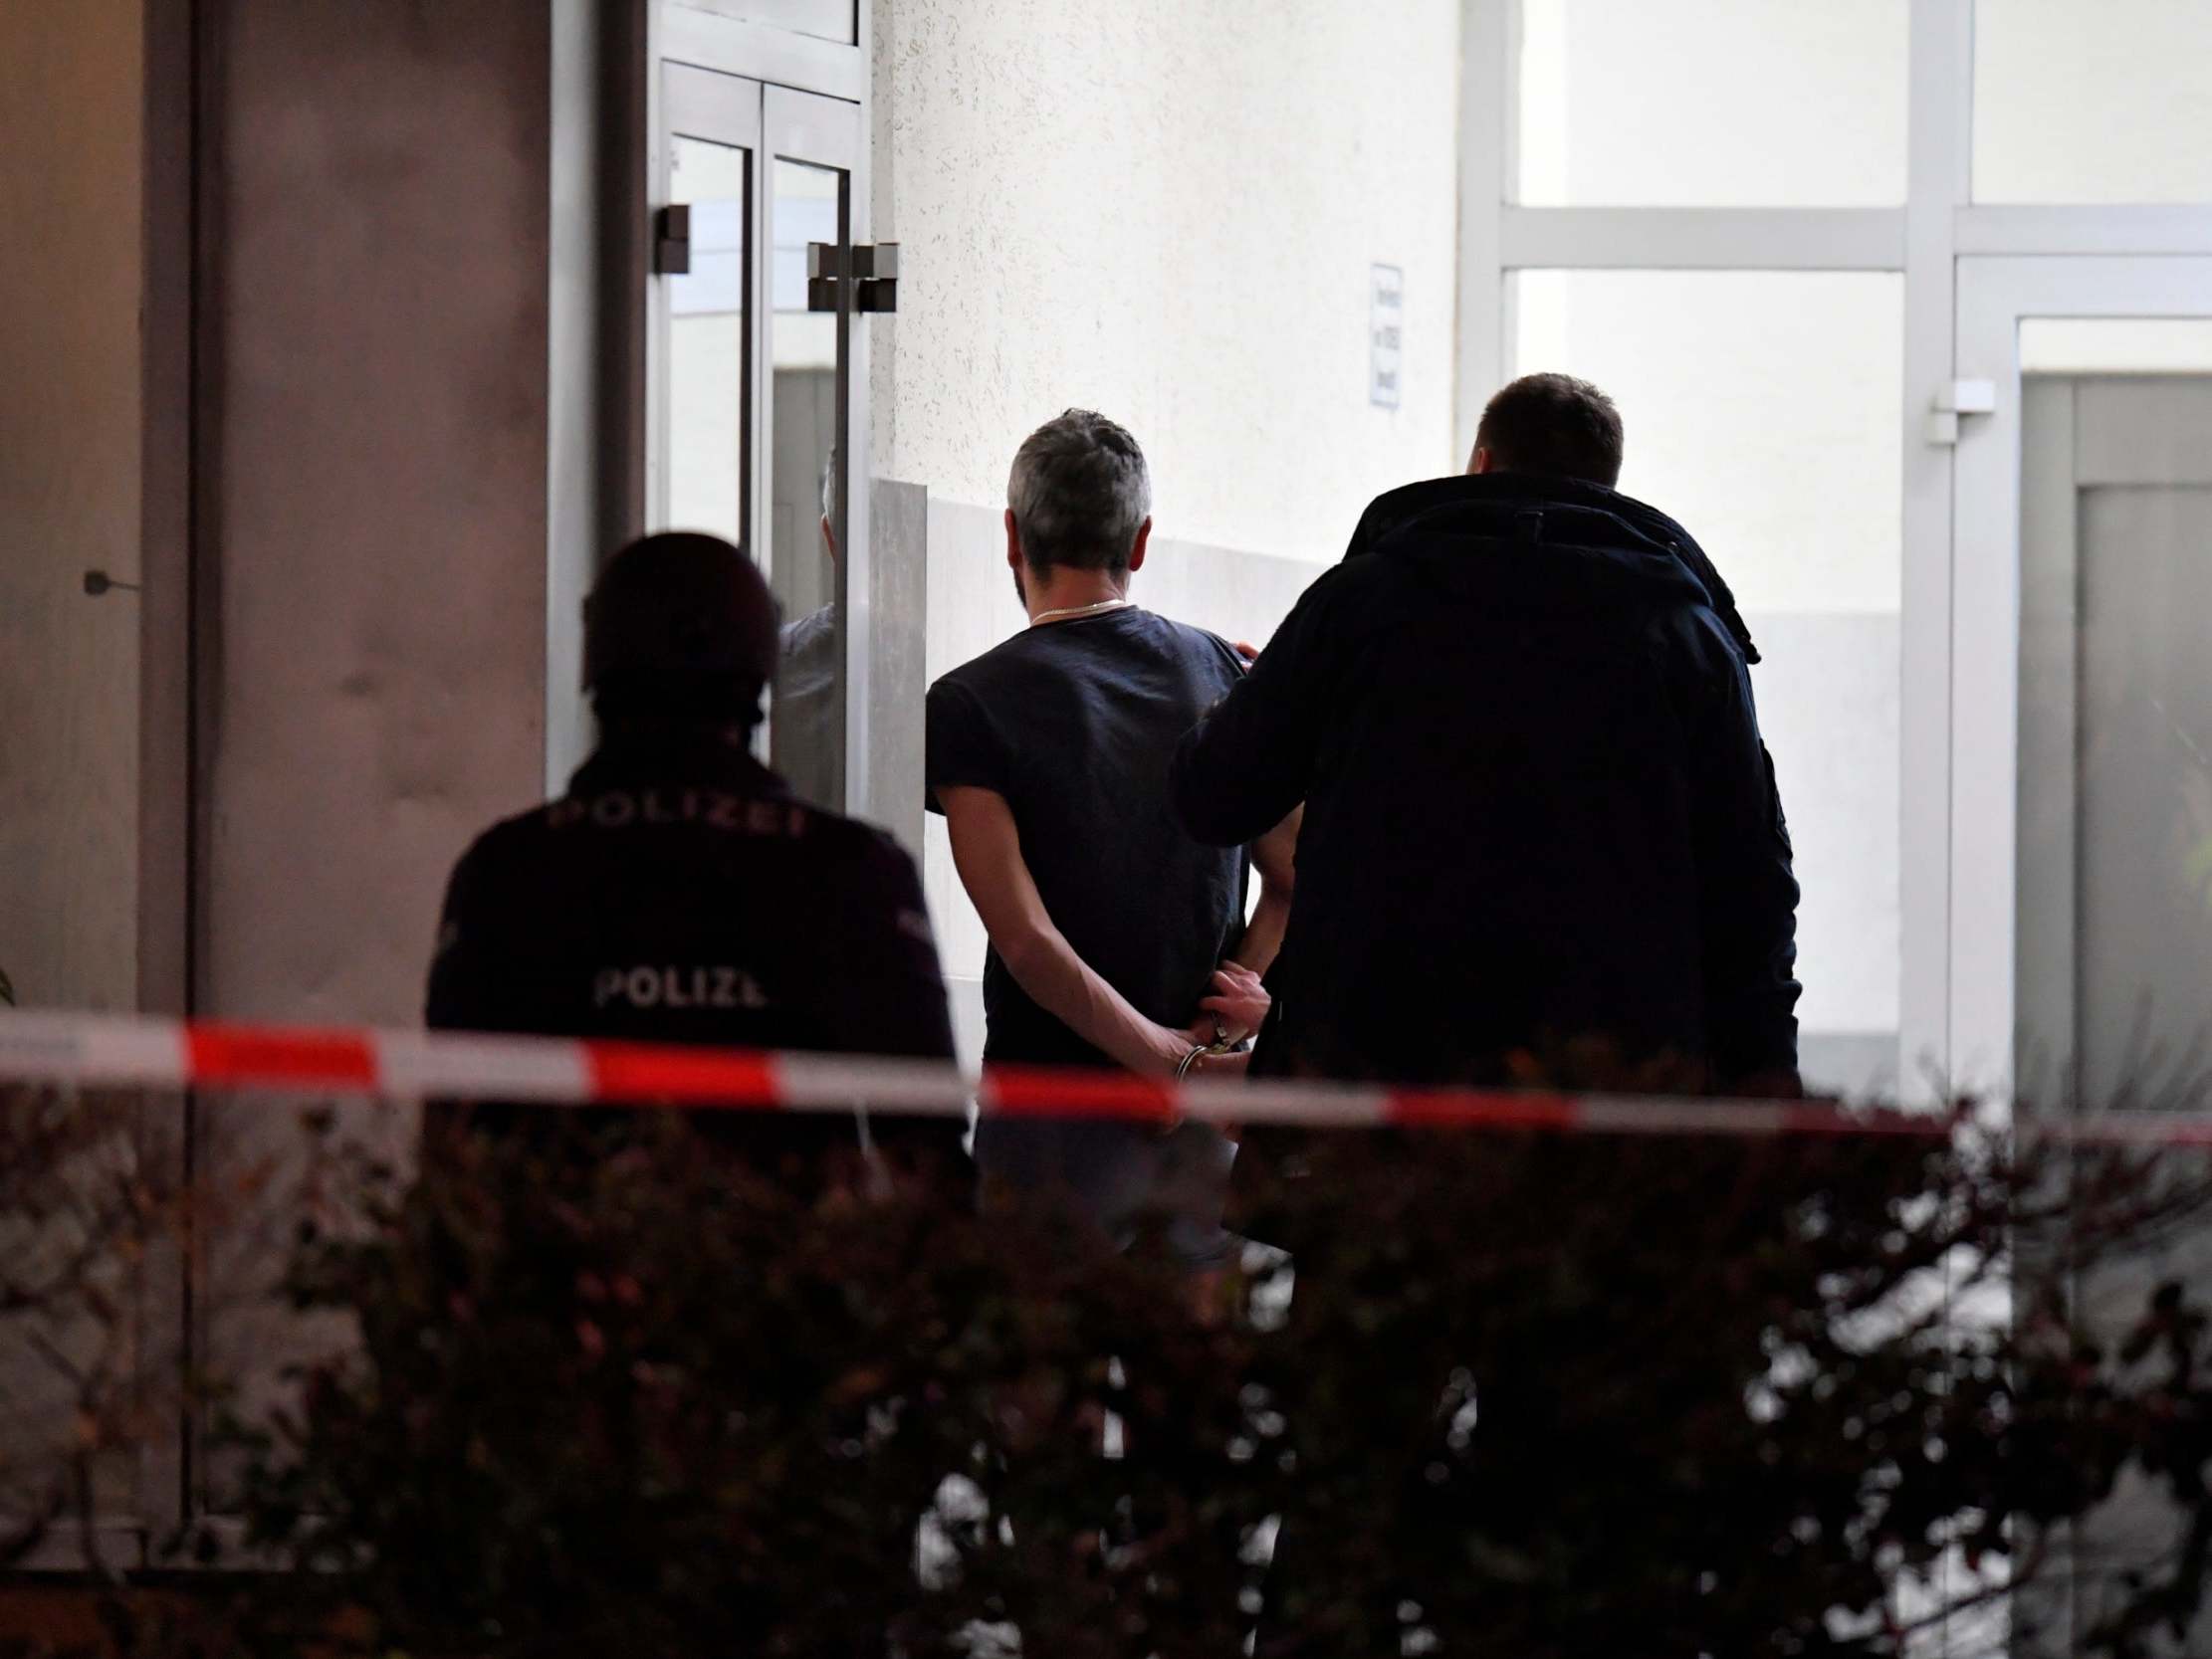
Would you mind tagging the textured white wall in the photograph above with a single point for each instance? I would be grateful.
(1166, 210)
(70, 435)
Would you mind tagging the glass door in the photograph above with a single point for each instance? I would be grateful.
(2080, 802)
(2114, 945)
(752, 421)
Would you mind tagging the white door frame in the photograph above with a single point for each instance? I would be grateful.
(723, 109)
(1994, 295)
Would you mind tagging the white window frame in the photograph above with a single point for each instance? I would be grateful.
(1950, 694)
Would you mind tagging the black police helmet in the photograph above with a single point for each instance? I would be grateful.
(679, 625)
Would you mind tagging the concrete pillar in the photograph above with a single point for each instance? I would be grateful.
(70, 424)
(371, 564)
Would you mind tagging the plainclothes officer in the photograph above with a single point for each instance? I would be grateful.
(1519, 716)
(679, 893)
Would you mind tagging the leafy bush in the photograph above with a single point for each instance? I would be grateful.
(642, 1403)
(81, 1208)
(1531, 1394)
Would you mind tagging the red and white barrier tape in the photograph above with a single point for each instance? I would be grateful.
(96, 1051)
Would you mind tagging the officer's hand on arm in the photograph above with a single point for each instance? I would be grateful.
(986, 850)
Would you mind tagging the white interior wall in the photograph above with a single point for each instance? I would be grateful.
(2104, 102)
(71, 282)
(1713, 102)
(2115, 345)
(1165, 210)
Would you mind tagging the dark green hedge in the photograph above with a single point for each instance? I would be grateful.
(1532, 1396)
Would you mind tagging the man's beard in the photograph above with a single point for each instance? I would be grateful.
(1020, 588)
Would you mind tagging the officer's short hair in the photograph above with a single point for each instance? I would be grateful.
(1555, 426)
(1079, 492)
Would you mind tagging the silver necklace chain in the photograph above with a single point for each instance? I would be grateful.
(1072, 613)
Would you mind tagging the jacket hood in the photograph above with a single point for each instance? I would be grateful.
(1601, 548)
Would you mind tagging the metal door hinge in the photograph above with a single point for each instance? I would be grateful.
(672, 240)
(875, 276)
(1959, 397)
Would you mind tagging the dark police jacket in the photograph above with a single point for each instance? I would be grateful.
(1539, 816)
(679, 893)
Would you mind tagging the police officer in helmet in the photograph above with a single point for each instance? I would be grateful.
(679, 893)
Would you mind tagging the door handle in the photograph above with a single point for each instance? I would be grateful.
(1956, 398)
(672, 240)
(875, 276)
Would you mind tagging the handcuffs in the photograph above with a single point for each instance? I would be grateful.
(1220, 1046)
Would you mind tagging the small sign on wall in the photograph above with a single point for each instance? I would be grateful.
(1385, 315)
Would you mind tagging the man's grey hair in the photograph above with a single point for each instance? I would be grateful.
(1079, 492)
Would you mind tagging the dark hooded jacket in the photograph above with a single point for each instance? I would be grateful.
(1538, 814)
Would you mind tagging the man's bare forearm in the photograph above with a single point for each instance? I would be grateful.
(1275, 857)
(1060, 983)
(986, 851)
(1263, 934)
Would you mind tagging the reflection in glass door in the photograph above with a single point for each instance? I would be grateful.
(805, 484)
